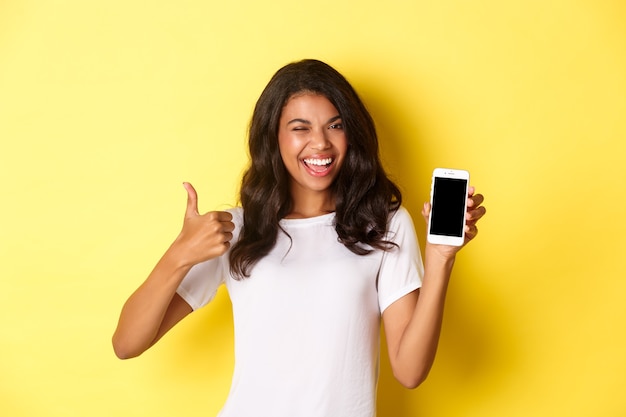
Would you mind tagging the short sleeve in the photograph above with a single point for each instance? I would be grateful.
(201, 282)
(401, 268)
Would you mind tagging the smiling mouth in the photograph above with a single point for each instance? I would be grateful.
(318, 165)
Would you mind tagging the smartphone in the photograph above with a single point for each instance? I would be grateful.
(448, 199)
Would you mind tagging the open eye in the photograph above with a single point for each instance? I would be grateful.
(336, 126)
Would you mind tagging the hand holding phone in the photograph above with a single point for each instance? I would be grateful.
(448, 198)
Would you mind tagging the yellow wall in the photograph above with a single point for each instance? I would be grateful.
(106, 107)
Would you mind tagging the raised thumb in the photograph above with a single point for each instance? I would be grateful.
(192, 200)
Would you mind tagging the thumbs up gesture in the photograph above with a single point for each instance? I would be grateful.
(203, 236)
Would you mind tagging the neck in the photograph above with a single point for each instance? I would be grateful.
(311, 205)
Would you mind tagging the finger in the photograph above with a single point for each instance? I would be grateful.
(426, 211)
(475, 215)
(475, 200)
(224, 219)
(223, 216)
(470, 190)
(192, 200)
(470, 232)
(228, 226)
(228, 237)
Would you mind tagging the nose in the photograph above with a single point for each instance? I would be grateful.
(319, 141)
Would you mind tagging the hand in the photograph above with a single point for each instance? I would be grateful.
(204, 236)
(475, 211)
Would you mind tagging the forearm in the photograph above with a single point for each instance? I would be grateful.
(418, 346)
(143, 313)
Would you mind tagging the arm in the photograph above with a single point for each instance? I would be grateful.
(413, 323)
(151, 310)
(154, 308)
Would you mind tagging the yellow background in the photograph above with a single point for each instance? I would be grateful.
(107, 107)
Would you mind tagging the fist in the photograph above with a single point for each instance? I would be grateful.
(204, 236)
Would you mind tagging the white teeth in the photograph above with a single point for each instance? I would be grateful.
(319, 162)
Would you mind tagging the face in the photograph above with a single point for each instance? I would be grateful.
(312, 143)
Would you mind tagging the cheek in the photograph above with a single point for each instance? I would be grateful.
(291, 146)
(345, 146)
(288, 154)
(283, 147)
(284, 159)
(342, 146)
(286, 150)
(345, 152)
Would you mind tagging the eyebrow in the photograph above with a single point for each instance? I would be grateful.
(307, 122)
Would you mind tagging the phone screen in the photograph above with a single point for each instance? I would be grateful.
(448, 216)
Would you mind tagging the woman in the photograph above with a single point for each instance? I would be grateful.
(321, 250)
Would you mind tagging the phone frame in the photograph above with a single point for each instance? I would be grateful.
(440, 239)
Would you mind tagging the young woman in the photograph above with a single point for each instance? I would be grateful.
(320, 249)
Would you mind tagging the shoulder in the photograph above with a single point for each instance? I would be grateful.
(400, 218)
(400, 226)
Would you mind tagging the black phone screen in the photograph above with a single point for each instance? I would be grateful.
(448, 210)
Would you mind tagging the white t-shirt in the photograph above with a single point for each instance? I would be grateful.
(307, 320)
